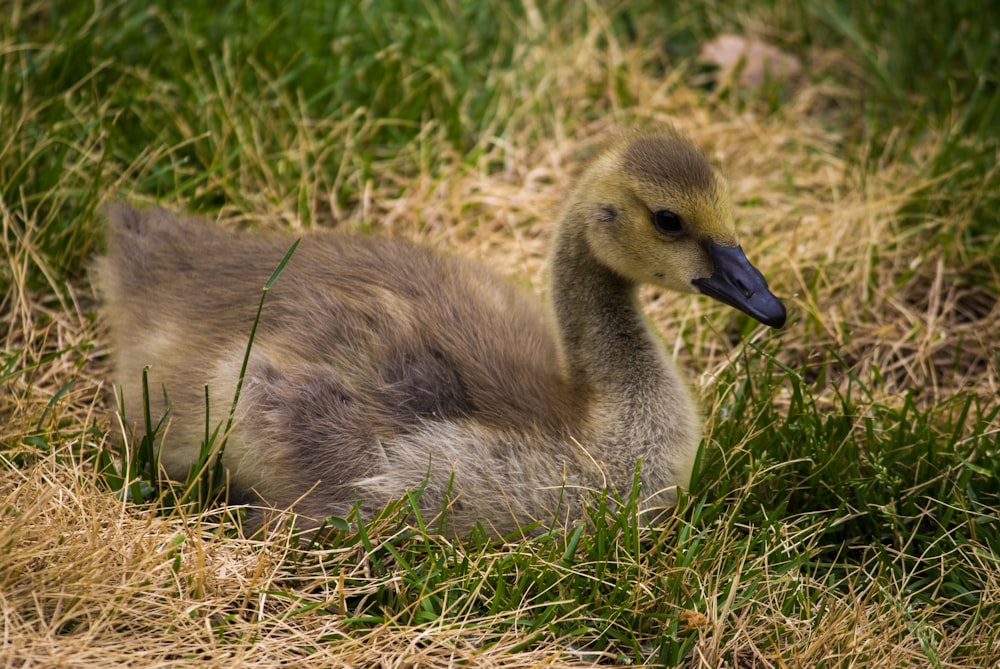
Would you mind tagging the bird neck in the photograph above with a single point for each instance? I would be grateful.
(607, 345)
(634, 405)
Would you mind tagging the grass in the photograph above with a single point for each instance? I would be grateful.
(846, 505)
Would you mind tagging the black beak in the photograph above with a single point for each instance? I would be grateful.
(739, 284)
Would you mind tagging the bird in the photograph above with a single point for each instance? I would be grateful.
(381, 367)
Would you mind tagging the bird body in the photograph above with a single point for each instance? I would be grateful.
(380, 366)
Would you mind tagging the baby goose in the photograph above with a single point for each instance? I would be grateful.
(380, 366)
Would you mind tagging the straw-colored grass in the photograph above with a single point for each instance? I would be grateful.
(877, 303)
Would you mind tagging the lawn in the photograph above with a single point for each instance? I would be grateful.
(845, 508)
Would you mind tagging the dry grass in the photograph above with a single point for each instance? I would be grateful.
(89, 580)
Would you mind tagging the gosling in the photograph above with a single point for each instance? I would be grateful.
(380, 366)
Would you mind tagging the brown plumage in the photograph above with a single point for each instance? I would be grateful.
(380, 366)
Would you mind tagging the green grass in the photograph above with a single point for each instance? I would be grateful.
(846, 504)
(895, 481)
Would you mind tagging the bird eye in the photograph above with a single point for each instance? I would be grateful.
(668, 222)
